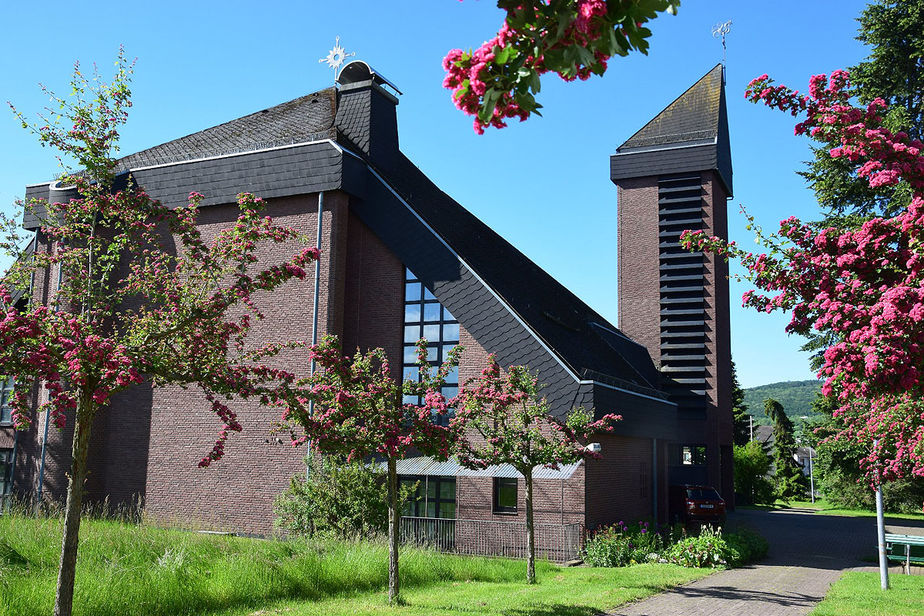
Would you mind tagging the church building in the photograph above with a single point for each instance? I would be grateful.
(400, 260)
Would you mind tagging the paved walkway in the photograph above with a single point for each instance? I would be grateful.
(808, 552)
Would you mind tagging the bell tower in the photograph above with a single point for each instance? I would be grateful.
(675, 173)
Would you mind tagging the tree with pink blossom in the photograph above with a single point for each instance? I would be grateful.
(143, 296)
(354, 407)
(505, 421)
(861, 286)
(572, 38)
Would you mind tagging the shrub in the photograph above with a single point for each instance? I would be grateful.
(336, 498)
(744, 546)
(620, 545)
(709, 549)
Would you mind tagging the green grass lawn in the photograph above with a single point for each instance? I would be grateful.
(824, 507)
(859, 594)
(127, 570)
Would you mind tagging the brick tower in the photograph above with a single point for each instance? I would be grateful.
(675, 174)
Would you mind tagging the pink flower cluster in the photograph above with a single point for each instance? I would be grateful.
(864, 286)
(574, 39)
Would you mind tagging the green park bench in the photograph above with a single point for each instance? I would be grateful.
(906, 549)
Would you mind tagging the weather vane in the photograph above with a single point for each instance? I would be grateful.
(721, 30)
(336, 57)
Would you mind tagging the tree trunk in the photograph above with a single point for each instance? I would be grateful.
(64, 595)
(393, 519)
(530, 530)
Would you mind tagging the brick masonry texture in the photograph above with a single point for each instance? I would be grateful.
(637, 246)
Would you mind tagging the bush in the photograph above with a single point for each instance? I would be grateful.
(709, 549)
(620, 545)
(346, 500)
(744, 546)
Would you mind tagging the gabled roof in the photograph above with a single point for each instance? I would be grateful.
(307, 118)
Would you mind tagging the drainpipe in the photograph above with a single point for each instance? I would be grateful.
(314, 315)
(654, 479)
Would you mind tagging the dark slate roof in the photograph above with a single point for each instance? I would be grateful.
(692, 117)
(690, 134)
(308, 118)
(592, 347)
(580, 339)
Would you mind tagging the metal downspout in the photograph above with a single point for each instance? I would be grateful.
(315, 306)
(654, 479)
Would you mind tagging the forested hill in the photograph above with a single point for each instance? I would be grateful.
(795, 396)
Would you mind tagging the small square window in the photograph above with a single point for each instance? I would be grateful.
(431, 333)
(412, 313)
(451, 332)
(412, 292)
(505, 495)
(410, 355)
(450, 392)
(431, 311)
(411, 333)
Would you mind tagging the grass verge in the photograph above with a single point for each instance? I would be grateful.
(127, 570)
(825, 508)
(858, 594)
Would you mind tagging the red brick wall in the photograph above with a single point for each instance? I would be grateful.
(373, 313)
(718, 343)
(637, 245)
(619, 483)
(237, 492)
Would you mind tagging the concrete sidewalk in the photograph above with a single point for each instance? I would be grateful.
(808, 553)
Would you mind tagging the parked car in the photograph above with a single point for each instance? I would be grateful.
(696, 503)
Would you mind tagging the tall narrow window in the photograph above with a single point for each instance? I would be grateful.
(6, 475)
(6, 393)
(425, 317)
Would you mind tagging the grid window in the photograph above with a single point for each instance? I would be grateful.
(434, 497)
(505, 495)
(425, 317)
(6, 472)
(6, 393)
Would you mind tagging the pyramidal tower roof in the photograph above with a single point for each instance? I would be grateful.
(690, 134)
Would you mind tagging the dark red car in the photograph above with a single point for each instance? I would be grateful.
(701, 503)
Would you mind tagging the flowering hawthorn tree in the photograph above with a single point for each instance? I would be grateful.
(142, 296)
(573, 38)
(862, 285)
(506, 422)
(359, 413)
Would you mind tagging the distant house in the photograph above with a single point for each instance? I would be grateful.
(401, 260)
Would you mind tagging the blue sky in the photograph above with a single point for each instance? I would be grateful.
(543, 184)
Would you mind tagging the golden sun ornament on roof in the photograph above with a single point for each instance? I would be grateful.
(336, 56)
